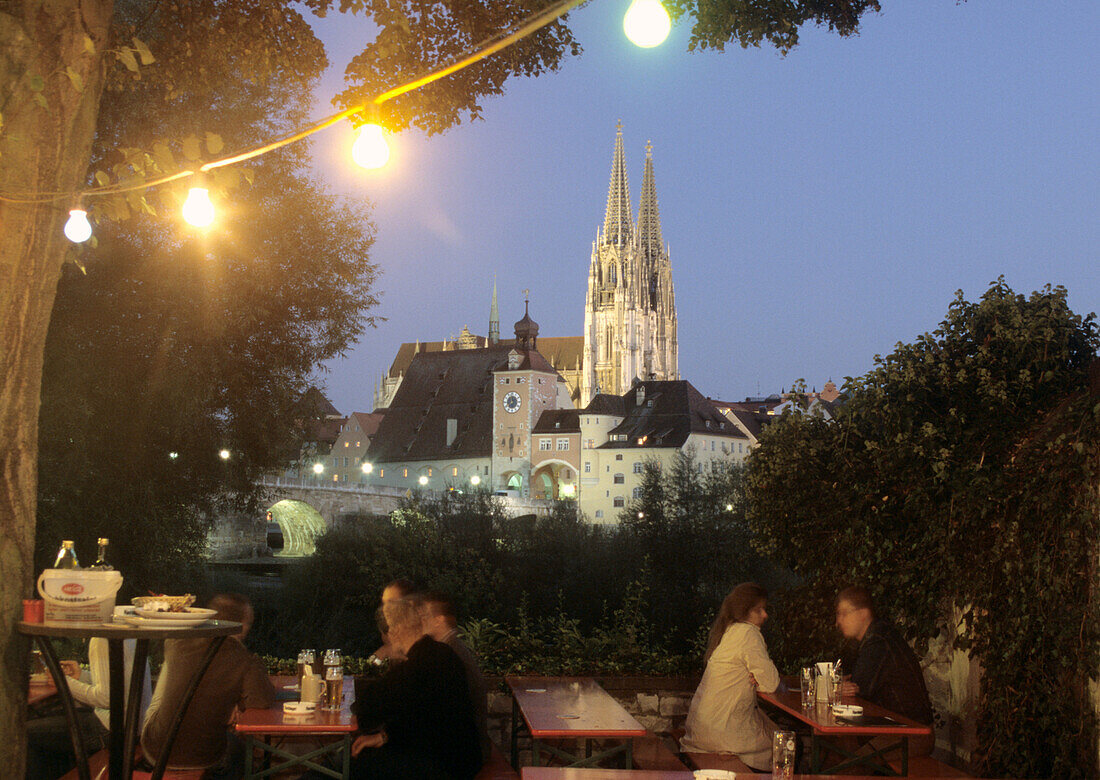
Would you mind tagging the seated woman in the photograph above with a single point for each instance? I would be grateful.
(723, 717)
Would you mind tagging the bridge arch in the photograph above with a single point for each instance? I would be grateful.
(300, 523)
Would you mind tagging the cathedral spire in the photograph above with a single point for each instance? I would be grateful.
(649, 220)
(494, 318)
(618, 222)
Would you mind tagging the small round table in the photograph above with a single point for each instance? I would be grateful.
(123, 730)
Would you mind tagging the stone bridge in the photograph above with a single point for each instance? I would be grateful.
(305, 509)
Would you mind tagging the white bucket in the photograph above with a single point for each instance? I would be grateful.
(79, 595)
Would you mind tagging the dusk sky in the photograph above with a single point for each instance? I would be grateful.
(820, 207)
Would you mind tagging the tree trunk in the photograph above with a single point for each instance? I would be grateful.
(42, 150)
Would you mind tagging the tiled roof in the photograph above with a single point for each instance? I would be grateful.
(602, 403)
(558, 421)
(562, 352)
(439, 386)
(668, 413)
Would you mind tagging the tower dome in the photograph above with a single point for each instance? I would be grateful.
(527, 330)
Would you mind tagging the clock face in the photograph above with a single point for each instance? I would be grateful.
(511, 402)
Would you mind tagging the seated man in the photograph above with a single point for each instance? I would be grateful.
(235, 679)
(884, 669)
(417, 720)
(437, 612)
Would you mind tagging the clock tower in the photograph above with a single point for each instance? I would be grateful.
(524, 386)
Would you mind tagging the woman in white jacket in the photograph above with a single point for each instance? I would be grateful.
(724, 717)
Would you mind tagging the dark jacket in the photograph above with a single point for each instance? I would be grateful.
(424, 705)
(888, 673)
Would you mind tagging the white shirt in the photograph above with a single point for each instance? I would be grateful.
(723, 717)
(93, 687)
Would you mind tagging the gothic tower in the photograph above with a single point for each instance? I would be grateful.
(630, 310)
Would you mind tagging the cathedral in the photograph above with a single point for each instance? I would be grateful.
(629, 309)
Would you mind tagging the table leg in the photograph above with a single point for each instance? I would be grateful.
(630, 753)
(115, 687)
(249, 748)
(515, 736)
(815, 755)
(50, 657)
(347, 756)
(177, 721)
(133, 705)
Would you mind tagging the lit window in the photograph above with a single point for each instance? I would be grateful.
(620, 501)
(429, 471)
(454, 471)
(381, 473)
(544, 444)
(335, 477)
(356, 444)
(347, 444)
(405, 472)
(563, 444)
(637, 467)
(619, 479)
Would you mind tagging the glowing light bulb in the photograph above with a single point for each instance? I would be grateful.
(423, 480)
(78, 229)
(318, 468)
(475, 480)
(370, 149)
(223, 454)
(198, 211)
(647, 23)
(368, 468)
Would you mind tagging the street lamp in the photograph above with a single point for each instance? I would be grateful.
(368, 468)
(475, 480)
(318, 468)
(423, 480)
(647, 23)
(223, 454)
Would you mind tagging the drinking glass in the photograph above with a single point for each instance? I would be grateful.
(783, 755)
(809, 691)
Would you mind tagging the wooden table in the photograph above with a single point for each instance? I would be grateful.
(267, 729)
(123, 730)
(569, 708)
(561, 773)
(38, 692)
(827, 733)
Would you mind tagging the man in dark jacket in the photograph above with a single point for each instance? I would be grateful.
(417, 720)
(884, 669)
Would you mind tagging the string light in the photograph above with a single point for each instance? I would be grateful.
(198, 211)
(370, 149)
(647, 23)
(78, 229)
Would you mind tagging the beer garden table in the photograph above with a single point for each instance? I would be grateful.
(828, 733)
(569, 708)
(261, 727)
(123, 729)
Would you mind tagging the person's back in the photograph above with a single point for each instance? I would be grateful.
(235, 678)
(889, 674)
(424, 706)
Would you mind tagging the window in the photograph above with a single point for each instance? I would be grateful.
(619, 456)
(563, 444)
(381, 473)
(347, 444)
(587, 467)
(637, 467)
(454, 471)
(637, 492)
(345, 461)
(739, 447)
(712, 445)
(589, 444)
(599, 513)
(356, 444)
(544, 444)
(519, 380)
(429, 471)
(356, 460)
(335, 477)
(344, 478)
(619, 502)
(619, 479)
(405, 472)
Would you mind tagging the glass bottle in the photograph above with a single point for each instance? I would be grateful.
(101, 560)
(66, 556)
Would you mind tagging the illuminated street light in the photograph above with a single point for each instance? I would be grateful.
(475, 480)
(78, 229)
(318, 468)
(641, 515)
(646, 23)
(423, 481)
(223, 454)
(370, 149)
(198, 211)
(368, 468)
(173, 455)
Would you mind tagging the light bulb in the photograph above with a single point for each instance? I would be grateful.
(647, 23)
(198, 211)
(318, 468)
(78, 229)
(370, 149)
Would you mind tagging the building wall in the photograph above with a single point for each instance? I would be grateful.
(440, 474)
(512, 445)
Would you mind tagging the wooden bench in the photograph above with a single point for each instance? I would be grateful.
(97, 768)
(926, 766)
(651, 752)
(726, 761)
(497, 767)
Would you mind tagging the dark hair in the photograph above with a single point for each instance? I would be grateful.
(230, 606)
(438, 603)
(858, 596)
(735, 608)
(407, 587)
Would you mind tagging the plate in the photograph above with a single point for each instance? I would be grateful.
(193, 615)
(140, 622)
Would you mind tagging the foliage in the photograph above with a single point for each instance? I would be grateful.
(682, 511)
(961, 473)
(170, 342)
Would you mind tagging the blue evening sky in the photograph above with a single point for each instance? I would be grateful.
(820, 207)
